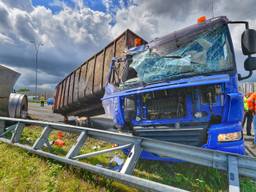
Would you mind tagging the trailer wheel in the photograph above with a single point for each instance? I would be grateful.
(18, 106)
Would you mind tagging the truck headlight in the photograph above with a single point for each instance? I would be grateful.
(200, 114)
(235, 136)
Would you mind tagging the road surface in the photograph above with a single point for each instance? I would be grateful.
(43, 113)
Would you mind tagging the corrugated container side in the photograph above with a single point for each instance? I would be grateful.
(62, 94)
(82, 82)
(120, 46)
(108, 59)
(57, 97)
(76, 86)
(66, 91)
(71, 88)
(99, 68)
(89, 78)
(80, 92)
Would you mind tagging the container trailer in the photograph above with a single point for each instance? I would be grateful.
(80, 93)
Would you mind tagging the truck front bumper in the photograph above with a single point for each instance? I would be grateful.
(237, 147)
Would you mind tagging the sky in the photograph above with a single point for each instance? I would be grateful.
(70, 31)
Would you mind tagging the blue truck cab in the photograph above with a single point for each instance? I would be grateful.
(183, 88)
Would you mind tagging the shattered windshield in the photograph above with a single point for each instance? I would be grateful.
(209, 52)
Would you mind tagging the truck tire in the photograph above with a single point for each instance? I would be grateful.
(18, 106)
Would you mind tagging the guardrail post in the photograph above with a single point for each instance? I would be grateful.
(43, 139)
(76, 148)
(17, 132)
(2, 127)
(132, 158)
(233, 174)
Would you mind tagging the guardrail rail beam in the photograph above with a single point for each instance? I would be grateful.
(234, 164)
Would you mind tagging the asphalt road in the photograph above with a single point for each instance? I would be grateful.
(45, 113)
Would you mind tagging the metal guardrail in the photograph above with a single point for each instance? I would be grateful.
(234, 164)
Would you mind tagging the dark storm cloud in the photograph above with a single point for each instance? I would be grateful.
(181, 9)
(238, 9)
(24, 27)
(4, 20)
(51, 67)
(173, 8)
(25, 5)
(49, 62)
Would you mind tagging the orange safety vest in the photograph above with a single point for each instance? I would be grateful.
(251, 101)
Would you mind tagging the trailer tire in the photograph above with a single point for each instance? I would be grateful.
(18, 106)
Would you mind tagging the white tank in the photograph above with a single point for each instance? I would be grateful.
(8, 78)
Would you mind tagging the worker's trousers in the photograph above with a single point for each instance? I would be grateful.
(254, 127)
(248, 118)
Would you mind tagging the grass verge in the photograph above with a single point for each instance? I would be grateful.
(21, 171)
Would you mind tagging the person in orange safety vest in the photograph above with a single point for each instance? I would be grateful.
(251, 101)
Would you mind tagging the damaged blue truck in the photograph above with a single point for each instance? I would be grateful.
(183, 87)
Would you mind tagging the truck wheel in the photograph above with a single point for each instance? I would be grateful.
(18, 106)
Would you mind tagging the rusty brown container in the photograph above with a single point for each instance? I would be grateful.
(81, 91)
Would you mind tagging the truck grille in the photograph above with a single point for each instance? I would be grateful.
(186, 136)
(161, 106)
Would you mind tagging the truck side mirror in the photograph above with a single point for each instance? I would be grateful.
(248, 42)
(250, 64)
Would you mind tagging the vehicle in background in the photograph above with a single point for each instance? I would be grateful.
(11, 104)
(50, 101)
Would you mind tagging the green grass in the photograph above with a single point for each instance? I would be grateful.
(21, 171)
(189, 176)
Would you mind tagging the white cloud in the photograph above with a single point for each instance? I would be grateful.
(108, 4)
(69, 37)
(20, 4)
(72, 35)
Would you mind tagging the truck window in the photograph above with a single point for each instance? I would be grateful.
(208, 52)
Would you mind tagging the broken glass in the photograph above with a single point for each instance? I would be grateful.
(208, 52)
(109, 105)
